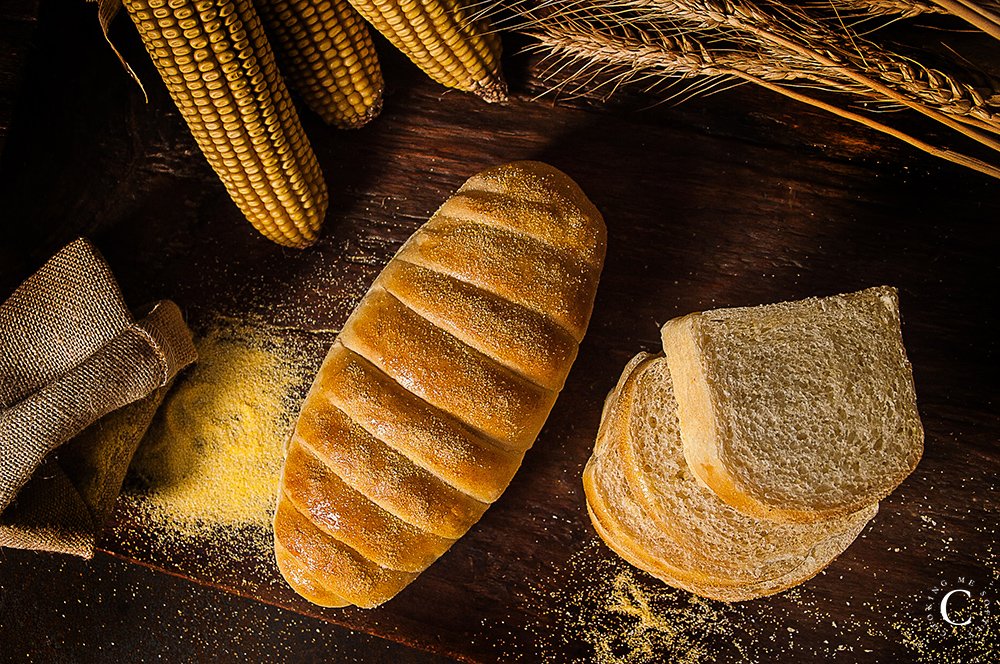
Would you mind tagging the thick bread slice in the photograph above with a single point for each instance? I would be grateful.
(623, 522)
(610, 499)
(612, 512)
(719, 539)
(632, 547)
(611, 410)
(621, 547)
(437, 384)
(798, 411)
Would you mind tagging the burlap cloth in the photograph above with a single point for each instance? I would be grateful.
(70, 354)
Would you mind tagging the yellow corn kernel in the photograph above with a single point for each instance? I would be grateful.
(220, 71)
(438, 37)
(327, 54)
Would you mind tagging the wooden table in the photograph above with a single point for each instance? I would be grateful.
(737, 199)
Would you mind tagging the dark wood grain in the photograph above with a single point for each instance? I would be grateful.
(18, 19)
(737, 199)
(62, 610)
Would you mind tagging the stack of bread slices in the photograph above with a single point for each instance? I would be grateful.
(753, 451)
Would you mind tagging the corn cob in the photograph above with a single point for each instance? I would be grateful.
(438, 37)
(325, 51)
(221, 74)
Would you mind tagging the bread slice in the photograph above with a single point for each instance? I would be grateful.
(722, 593)
(709, 549)
(715, 536)
(609, 499)
(798, 411)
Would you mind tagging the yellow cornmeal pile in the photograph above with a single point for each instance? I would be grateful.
(213, 454)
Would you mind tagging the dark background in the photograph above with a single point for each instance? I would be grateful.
(736, 199)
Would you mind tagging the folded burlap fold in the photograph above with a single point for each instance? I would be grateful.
(70, 354)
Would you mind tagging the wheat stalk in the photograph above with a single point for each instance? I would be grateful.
(874, 8)
(788, 30)
(734, 39)
(681, 55)
(984, 16)
(791, 35)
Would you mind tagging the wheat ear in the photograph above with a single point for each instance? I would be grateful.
(810, 47)
(841, 56)
(685, 57)
(578, 31)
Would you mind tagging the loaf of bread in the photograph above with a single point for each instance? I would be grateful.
(798, 411)
(648, 506)
(437, 384)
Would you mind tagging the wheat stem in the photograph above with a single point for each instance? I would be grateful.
(885, 90)
(943, 153)
(974, 14)
(869, 8)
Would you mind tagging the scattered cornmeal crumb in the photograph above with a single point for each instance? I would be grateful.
(609, 614)
(595, 607)
(683, 631)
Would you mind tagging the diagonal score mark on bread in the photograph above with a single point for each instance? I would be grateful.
(545, 205)
(416, 354)
(511, 265)
(335, 566)
(437, 384)
(433, 439)
(519, 338)
(348, 516)
(305, 581)
(385, 476)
